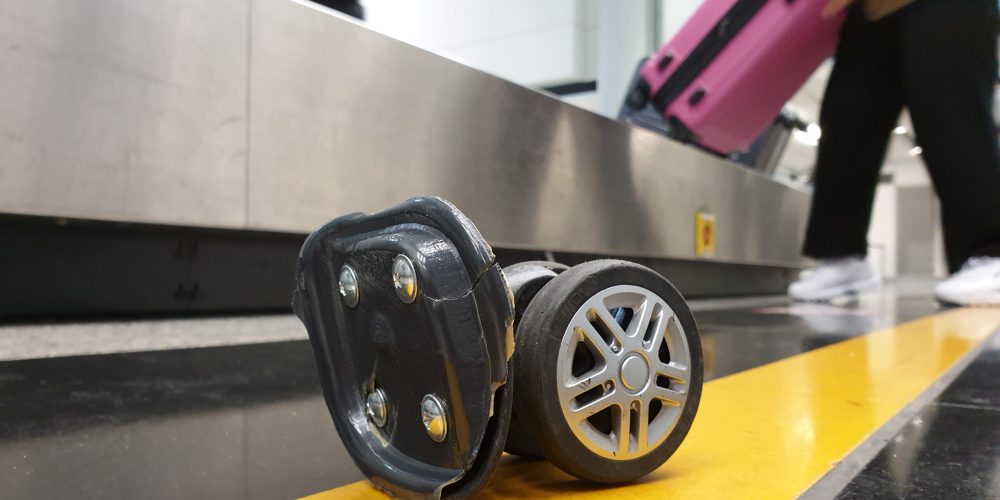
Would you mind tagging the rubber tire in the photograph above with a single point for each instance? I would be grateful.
(538, 342)
(519, 439)
(525, 293)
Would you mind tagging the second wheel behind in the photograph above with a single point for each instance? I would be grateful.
(525, 279)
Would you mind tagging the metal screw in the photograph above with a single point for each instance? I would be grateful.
(404, 278)
(377, 407)
(435, 419)
(349, 285)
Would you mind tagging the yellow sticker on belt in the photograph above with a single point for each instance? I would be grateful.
(704, 235)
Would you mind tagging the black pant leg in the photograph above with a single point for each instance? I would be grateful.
(948, 52)
(861, 106)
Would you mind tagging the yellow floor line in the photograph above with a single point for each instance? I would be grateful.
(771, 431)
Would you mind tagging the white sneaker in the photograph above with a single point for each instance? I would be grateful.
(976, 284)
(833, 278)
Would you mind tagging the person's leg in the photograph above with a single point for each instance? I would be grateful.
(860, 108)
(948, 50)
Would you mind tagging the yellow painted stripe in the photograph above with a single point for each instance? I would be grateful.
(771, 431)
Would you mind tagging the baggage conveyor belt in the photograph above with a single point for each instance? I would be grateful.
(877, 397)
(283, 115)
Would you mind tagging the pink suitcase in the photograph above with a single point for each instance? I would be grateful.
(726, 74)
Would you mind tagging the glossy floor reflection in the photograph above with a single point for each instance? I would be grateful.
(742, 338)
(229, 422)
(949, 449)
(248, 421)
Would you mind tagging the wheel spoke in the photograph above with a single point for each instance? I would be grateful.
(675, 372)
(588, 410)
(675, 341)
(605, 317)
(642, 433)
(669, 397)
(589, 335)
(588, 381)
(623, 430)
(640, 320)
(659, 337)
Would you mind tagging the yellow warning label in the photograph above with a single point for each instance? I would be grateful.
(704, 235)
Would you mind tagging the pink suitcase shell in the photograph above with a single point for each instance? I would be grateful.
(726, 74)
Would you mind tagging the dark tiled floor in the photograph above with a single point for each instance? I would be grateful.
(248, 421)
(742, 338)
(950, 449)
(980, 384)
(230, 422)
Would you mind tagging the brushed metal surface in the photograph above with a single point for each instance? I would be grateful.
(124, 109)
(344, 119)
(270, 114)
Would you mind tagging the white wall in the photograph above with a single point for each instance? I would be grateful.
(910, 173)
(882, 243)
(624, 37)
(673, 15)
(529, 42)
(539, 43)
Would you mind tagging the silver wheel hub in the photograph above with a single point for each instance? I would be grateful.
(634, 372)
(623, 369)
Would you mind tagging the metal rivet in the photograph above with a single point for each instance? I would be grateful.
(404, 278)
(377, 407)
(349, 286)
(435, 419)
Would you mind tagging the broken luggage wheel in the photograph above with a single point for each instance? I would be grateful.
(413, 326)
